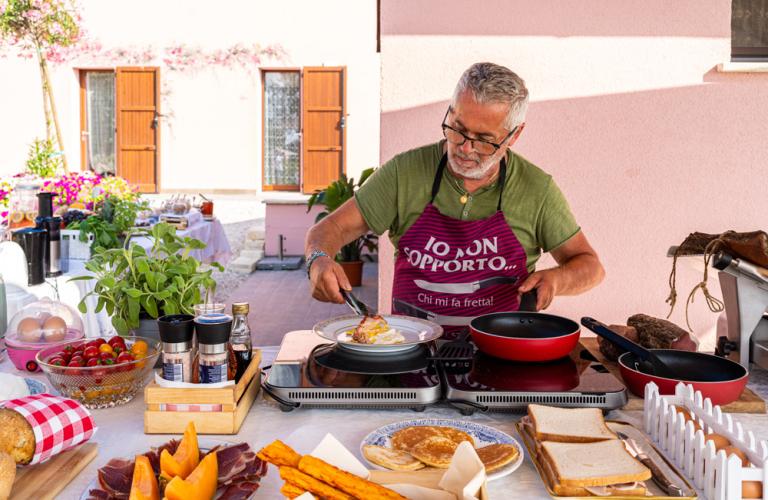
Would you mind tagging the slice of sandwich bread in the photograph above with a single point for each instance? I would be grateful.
(569, 425)
(601, 463)
(626, 489)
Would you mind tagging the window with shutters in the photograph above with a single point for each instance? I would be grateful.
(749, 30)
(119, 117)
(304, 118)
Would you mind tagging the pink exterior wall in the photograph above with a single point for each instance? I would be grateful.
(628, 113)
(290, 220)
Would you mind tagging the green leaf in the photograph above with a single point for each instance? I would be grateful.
(82, 307)
(133, 292)
(134, 308)
(120, 324)
(150, 305)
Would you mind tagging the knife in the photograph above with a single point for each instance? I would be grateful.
(658, 476)
(411, 310)
(465, 287)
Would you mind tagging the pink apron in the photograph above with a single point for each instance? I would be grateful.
(450, 270)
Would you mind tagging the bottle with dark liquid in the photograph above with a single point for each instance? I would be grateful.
(240, 339)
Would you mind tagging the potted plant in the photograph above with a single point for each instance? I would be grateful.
(133, 284)
(350, 257)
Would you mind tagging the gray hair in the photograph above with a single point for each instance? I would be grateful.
(491, 83)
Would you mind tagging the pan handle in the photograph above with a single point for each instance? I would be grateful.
(621, 341)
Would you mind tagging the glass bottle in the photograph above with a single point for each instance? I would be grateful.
(240, 339)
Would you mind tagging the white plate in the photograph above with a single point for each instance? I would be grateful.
(482, 434)
(415, 331)
(203, 443)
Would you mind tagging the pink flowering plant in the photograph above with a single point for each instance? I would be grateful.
(5, 193)
(89, 189)
(71, 188)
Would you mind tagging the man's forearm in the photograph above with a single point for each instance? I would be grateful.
(579, 274)
(321, 238)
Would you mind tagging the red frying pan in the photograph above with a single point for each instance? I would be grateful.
(718, 379)
(524, 336)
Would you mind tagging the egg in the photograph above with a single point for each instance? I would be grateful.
(55, 329)
(732, 450)
(718, 440)
(29, 330)
(687, 416)
(752, 489)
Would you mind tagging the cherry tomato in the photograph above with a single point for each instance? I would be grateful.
(92, 362)
(116, 341)
(69, 349)
(57, 361)
(118, 349)
(139, 347)
(105, 348)
(74, 362)
(92, 343)
(125, 357)
(78, 360)
(91, 352)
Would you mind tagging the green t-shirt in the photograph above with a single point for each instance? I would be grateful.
(534, 207)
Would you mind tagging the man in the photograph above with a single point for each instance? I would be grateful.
(469, 218)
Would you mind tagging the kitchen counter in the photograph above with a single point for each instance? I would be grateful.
(121, 434)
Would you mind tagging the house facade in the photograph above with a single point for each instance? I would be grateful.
(188, 96)
(637, 111)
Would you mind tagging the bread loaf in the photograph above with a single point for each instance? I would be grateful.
(7, 475)
(16, 436)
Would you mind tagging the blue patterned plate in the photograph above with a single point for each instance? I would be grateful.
(35, 386)
(482, 434)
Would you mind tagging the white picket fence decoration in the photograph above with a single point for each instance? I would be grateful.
(718, 477)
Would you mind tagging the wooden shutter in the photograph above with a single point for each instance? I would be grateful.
(324, 135)
(138, 133)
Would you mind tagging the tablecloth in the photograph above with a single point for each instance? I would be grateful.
(209, 232)
(121, 434)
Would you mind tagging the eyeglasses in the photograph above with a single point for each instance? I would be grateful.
(482, 147)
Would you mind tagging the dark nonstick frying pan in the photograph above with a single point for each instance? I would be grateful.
(718, 378)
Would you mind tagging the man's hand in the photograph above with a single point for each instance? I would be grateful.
(340, 227)
(578, 270)
(327, 277)
(546, 283)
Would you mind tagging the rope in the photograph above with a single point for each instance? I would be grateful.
(714, 304)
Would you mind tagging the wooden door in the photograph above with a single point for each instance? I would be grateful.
(323, 119)
(138, 133)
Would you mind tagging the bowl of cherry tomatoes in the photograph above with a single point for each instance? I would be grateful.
(100, 372)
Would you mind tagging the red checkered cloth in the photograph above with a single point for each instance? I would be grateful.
(58, 423)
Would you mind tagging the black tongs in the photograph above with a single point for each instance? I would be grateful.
(356, 304)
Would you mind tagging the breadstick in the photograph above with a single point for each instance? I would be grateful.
(345, 481)
(312, 485)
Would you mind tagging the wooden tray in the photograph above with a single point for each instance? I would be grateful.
(235, 401)
(748, 402)
(530, 446)
(46, 480)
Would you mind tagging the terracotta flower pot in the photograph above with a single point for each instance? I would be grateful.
(354, 271)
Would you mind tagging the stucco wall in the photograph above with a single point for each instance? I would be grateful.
(212, 140)
(628, 113)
